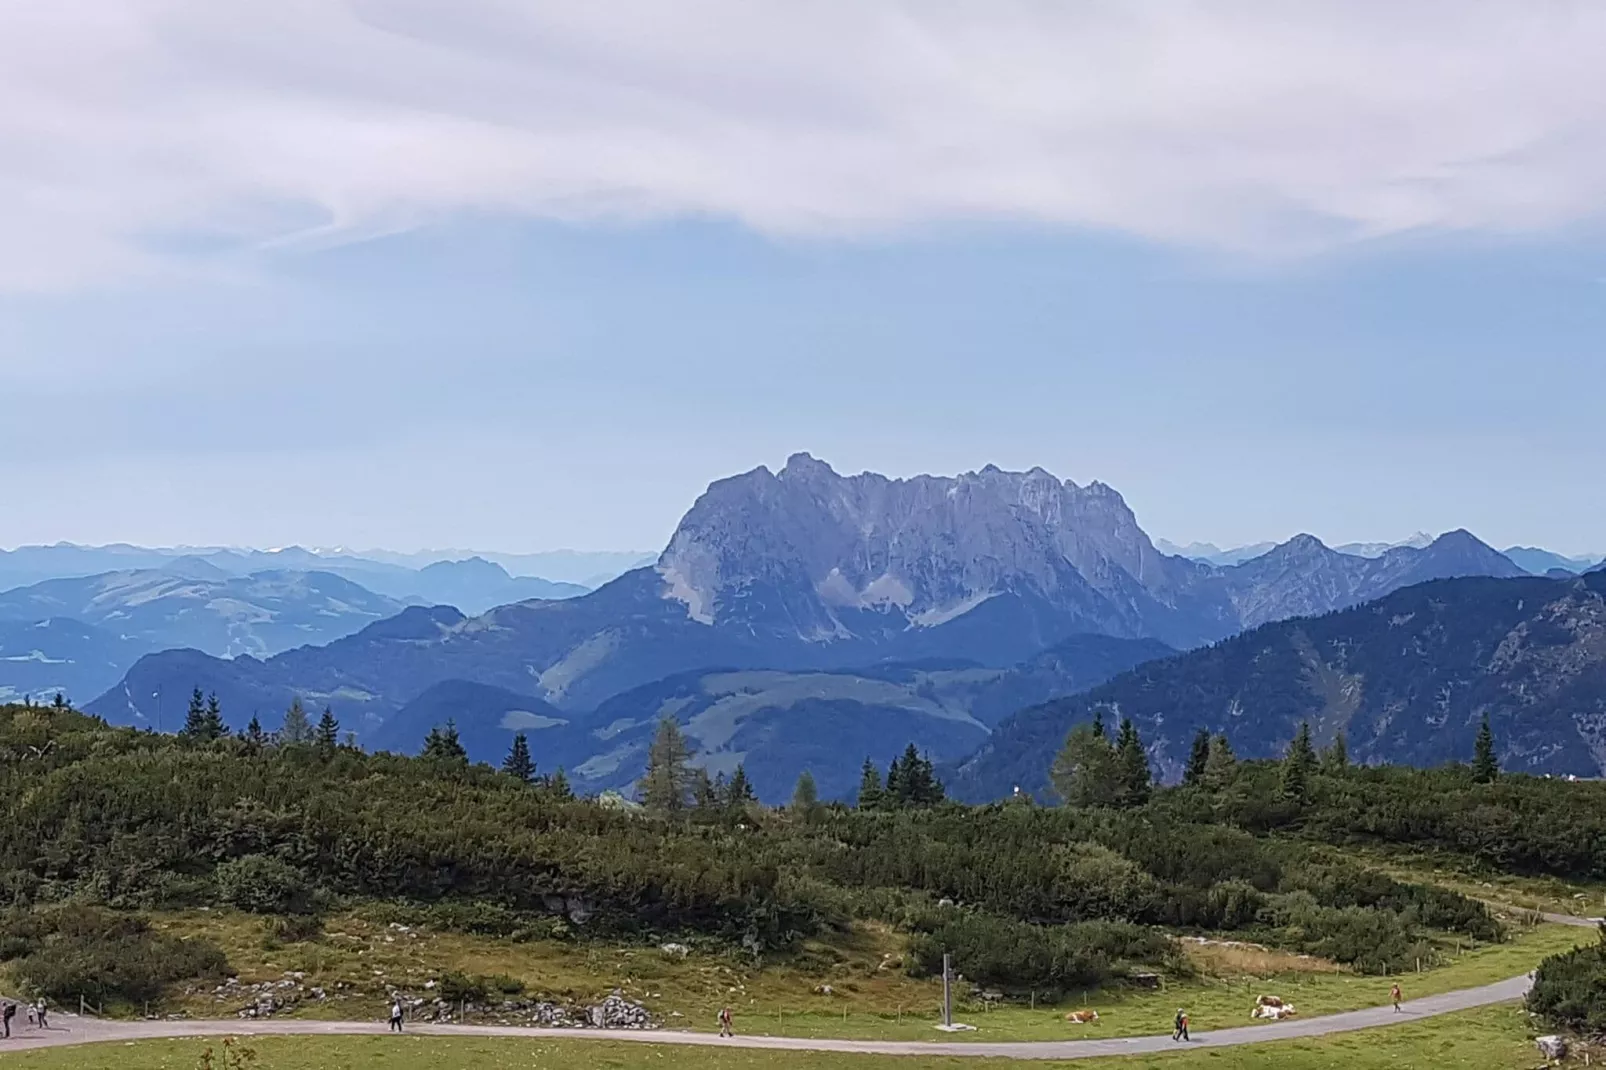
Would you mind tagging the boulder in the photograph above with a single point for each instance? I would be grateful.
(1552, 1047)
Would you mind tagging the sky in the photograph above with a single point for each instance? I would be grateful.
(521, 276)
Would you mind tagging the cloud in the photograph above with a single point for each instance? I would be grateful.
(143, 135)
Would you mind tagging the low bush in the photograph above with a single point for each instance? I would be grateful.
(87, 952)
(1016, 956)
(1569, 990)
(476, 988)
(263, 884)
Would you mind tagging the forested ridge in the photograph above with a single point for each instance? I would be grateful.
(104, 823)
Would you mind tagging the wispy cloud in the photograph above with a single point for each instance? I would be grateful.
(134, 131)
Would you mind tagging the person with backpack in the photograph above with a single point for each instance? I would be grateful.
(725, 1029)
(1181, 1024)
(396, 1016)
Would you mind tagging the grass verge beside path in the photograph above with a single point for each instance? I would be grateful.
(1490, 1038)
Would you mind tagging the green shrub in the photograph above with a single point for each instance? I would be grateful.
(1569, 990)
(476, 988)
(1016, 956)
(293, 928)
(100, 955)
(263, 884)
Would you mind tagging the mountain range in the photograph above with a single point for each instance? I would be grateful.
(800, 586)
(1531, 559)
(1407, 678)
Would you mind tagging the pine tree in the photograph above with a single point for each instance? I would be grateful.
(1222, 766)
(443, 745)
(61, 701)
(254, 734)
(1198, 758)
(296, 727)
(739, 792)
(1485, 766)
(1085, 772)
(805, 797)
(558, 786)
(216, 727)
(666, 783)
(327, 734)
(870, 793)
(895, 793)
(1335, 759)
(1098, 724)
(518, 764)
(195, 717)
(1299, 763)
(706, 796)
(1132, 765)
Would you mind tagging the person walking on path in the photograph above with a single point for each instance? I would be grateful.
(33, 1014)
(1181, 1024)
(725, 1029)
(1394, 994)
(43, 1010)
(9, 1013)
(395, 1016)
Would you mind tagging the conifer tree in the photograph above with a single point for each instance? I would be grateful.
(195, 717)
(254, 734)
(558, 786)
(805, 796)
(1198, 758)
(706, 793)
(1085, 772)
(216, 727)
(666, 784)
(1299, 763)
(1335, 759)
(518, 764)
(443, 745)
(61, 701)
(895, 794)
(870, 794)
(296, 727)
(1222, 765)
(1098, 724)
(739, 792)
(1132, 766)
(327, 734)
(1485, 766)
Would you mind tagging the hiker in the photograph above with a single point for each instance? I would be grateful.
(1394, 994)
(43, 1024)
(395, 1016)
(1181, 1023)
(725, 1029)
(5, 1017)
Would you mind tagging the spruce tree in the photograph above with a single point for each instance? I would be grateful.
(666, 784)
(895, 793)
(706, 793)
(1085, 772)
(254, 734)
(558, 786)
(195, 717)
(1198, 758)
(1299, 763)
(443, 745)
(296, 727)
(1335, 759)
(327, 734)
(870, 793)
(1132, 765)
(1098, 724)
(739, 792)
(805, 797)
(61, 701)
(518, 764)
(216, 727)
(1222, 765)
(1485, 766)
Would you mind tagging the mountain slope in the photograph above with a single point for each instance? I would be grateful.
(40, 658)
(194, 604)
(1406, 677)
(804, 570)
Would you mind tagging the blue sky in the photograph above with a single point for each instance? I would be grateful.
(260, 291)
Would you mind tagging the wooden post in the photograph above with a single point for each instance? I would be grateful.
(1034, 999)
(947, 993)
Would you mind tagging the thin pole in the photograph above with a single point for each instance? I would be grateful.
(947, 993)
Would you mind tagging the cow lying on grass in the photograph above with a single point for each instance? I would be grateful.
(1273, 1012)
(1082, 1017)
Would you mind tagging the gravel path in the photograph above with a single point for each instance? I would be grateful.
(71, 1029)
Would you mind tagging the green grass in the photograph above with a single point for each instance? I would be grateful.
(1460, 874)
(781, 999)
(1491, 1038)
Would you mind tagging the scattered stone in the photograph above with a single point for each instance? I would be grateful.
(1552, 1047)
(676, 950)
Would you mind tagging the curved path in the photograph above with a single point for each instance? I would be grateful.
(71, 1029)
